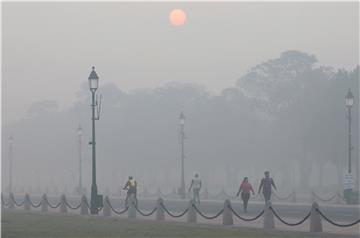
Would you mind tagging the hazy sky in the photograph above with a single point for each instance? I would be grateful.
(49, 48)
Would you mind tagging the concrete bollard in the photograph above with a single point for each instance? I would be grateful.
(132, 209)
(227, 218)
(191, 215)
(268, 220)
(106, 208)
(2, 202)
(160, 214)
(84, 210)
(63, 208)
(27, 204)
(293, 196)
(11, 201)
(315, 219)
(44, 205)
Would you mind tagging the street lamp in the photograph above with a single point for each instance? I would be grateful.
(349, 101)
(349, 181)
(11, 141)
(96, 199)
(80, 188)
(182, 192)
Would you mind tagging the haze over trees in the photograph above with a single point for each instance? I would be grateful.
(286, 115)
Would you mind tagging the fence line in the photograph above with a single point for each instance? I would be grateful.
(227, 204)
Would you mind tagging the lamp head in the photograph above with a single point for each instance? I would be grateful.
(93, 80)
(349, 99)
(182, 119)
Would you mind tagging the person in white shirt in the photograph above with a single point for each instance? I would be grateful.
(196, 186)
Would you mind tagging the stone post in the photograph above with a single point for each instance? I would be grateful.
(27, 205)
(2, 202)
(106, 208)
(315, 219)
(268, 217)
(227, 218)
(84, 210)
(11, 201)
(160, 214)
(44, 205)
(132, 209)
(191, 215)
(63, 208)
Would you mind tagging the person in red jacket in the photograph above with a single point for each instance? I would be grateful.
(246, 188)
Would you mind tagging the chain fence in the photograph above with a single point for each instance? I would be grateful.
(173, 215)
(193, 205)
(243, 218)
(335, 223)
(205, 216)
(288, 223)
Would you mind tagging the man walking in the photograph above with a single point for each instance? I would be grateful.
(266, 184)
(196, 186)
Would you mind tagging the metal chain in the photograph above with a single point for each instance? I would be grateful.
(3, 201)
(145, 214)
(33, 204)
(325, 200)
(118, 212)
(172, 215)
(287, 223)
(17, 204)
(208, 217)
(53, 206)
(334, 223)
(69, 206)
(243, 218)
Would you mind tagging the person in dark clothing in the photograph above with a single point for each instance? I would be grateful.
(266, 184)
(131, 187)
(245, 189)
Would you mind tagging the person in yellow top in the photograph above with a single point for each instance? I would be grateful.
(131, 187)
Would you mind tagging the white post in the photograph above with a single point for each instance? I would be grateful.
(44, 205)
(160, 214)
(227, 214)
(315, 219)
(106, 208)
(63, 208)
(268, 217)
(84, 210)
(191, 215)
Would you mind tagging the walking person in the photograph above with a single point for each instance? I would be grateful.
(266, 184)
(245, 189)
(131, 187)
(196, 186)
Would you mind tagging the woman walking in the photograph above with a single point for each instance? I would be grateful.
(245, 189)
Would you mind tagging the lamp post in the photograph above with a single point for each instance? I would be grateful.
(349, 181)
(96, 200)
(11, 140)
(182, 192)
(349, 101)
(80, 188)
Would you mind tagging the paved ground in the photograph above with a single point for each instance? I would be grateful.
(20, 223)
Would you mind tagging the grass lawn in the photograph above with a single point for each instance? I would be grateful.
(35, 224)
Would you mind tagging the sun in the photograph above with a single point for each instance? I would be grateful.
(177, 17)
